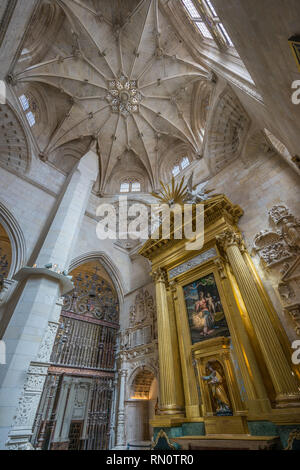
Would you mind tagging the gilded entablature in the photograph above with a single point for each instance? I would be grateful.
(216, 208)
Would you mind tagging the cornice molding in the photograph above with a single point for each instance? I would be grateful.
(215, 208)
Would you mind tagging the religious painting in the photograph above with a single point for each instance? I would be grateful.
(205, 311)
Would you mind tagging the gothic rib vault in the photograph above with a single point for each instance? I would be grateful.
(128, 81)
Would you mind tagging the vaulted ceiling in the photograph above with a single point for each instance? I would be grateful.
(114, 72)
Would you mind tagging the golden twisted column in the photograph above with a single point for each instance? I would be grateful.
(170, 381)
(283, 379)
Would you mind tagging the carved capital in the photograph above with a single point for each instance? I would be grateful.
(230, 238)
(123, 373)
(160, 275)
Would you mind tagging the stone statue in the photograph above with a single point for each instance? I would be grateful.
(196, 194)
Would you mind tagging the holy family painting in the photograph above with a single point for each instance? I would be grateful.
(205, 312)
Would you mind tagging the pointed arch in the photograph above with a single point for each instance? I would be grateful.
(17, 240)
(107, 264)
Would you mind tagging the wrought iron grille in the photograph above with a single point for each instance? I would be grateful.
(85, 345)
(98, 430)
(86, 339)
(98, 421)
(92, 296)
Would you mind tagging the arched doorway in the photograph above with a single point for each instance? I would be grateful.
(76, 405)
(141, 407)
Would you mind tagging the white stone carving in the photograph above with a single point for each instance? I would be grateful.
(21, 432)
(279, 248)
(27, 406)
(47, 343)
(124, 96)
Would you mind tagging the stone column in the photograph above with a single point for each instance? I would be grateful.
(121, 442)
(283, 379)
(31, 332)
(112, 431)
(170, 381)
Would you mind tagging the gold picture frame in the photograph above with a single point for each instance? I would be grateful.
(294, 43)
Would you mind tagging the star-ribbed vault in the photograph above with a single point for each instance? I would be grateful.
(129, 83)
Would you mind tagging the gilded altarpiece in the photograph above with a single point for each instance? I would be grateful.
(224, 358)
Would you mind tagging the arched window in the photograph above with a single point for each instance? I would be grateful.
(27, 109)
(125, 188)
(130, 185)
(181, 164)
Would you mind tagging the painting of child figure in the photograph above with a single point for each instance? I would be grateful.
(205, 312)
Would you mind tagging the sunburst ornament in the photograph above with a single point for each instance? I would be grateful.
(170, 194)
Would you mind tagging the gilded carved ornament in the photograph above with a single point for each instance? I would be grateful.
(160, 275)
(173, 288)
(230, 238)
(220, 264)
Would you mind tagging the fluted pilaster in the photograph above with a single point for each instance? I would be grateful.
(257, 400)
(170, 383)
(284, 382)
(191, 397)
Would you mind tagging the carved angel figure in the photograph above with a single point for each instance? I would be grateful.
(197, 193)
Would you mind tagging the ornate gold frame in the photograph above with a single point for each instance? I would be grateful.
(259, 341)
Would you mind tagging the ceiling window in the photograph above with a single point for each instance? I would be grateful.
(26, 108)
(185, 163)
(211, 8)
(180, 165)
(24, 102)
(215, 18)
(204, 16)
(176, 170)
(24, 51)
(136, 187)
(130, 185)
(196, 18)
(30, 118)
(192, 10)
(125, 188)
(203, 29)
(226, 36)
